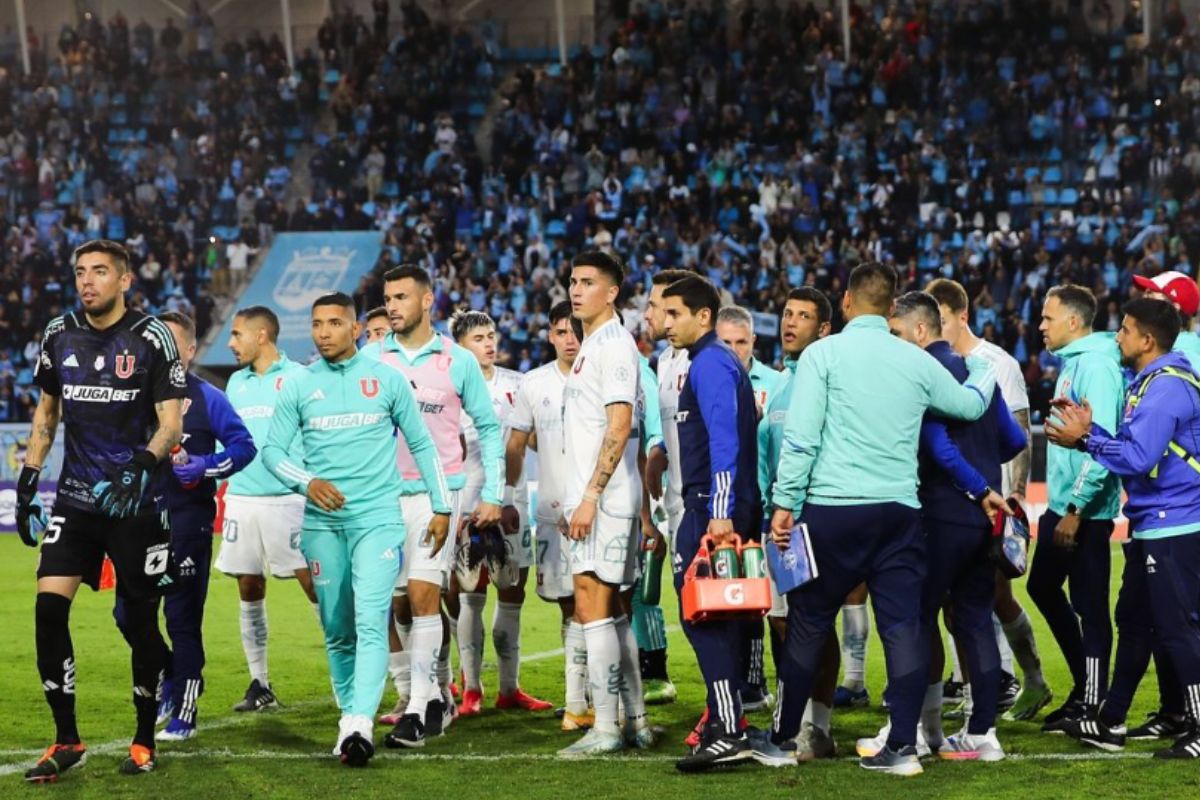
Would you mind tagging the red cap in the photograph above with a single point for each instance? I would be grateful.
(1176, 287)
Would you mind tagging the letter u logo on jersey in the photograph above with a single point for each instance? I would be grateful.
(579, 365)
(124, 366)
(278, 384)
(370, 388)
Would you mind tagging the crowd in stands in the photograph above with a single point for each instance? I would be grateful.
(1006, 145)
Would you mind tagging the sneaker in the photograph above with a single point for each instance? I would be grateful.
(520, 700)
(357, 749)
(963, 746)
(657, 692)
(141, 759)
(166, 706)
(57, 759)
(409, 733)
(867, 748)
(640, 736)
(472, 703)
(1159, 725)
(593, 743)
(1186, 746)
(755, 699)
(850, 698)
(393, 716)
(717, 751)
(1010, 689)
(1091, 730)
(952, 692)
(437, 718)
(1030, 701)
(769, 754)
(578, 722)
(176, 731)
(1072, 709)
(693, 738)
(257, 698)
(814, 743)
(894, 762)
(344, 726)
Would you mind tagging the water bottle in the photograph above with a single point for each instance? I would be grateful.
(651, 583)
(753, 565)
(725, 562)
(180, 456)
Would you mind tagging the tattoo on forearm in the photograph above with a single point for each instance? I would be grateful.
(1020, 465)
(611, 450)
(41, 436)
(170, 428)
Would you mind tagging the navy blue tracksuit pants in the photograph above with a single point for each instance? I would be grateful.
(883, 545)
(961, 571)
(1158, 607)
(718, 644)
(1081, 626)
(191, 543)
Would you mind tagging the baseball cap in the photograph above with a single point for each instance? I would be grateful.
(1176, 287)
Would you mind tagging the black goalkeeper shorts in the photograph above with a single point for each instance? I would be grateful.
(75, 543)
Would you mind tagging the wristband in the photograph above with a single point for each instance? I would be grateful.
(145, 459)
(509, 491)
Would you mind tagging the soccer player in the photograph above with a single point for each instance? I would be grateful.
(476, 332)
(1015, 635)
(648, 622)
(537, 422)
(718, 422)
(112, 375)
(346, 406)
(1154, 453)
(377, 325)
(959, 464)
(1084, 498)
(263, 518)
(602, 500)
(448, 382)
(208, 418)
(848, 470)
(805, 319)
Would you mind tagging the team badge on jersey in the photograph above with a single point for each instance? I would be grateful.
(124, 367)
(370, 388)
(98, 364)
(178, 376)
(187, 403)
(278, 384)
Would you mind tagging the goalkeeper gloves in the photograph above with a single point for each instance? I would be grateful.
(31, 519)
(121, 496)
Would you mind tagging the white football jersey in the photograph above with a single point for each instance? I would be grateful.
(606, 371)
(672, 373)
(1012, 388)
(503, 388)
(539, 410)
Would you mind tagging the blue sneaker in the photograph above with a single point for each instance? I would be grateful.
(176, 731)
(848, 698)
(166, 706)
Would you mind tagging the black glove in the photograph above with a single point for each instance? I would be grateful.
(121, 496)
(31, 519)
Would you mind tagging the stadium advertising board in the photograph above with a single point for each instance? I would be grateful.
(14, 436)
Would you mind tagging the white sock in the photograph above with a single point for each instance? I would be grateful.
(1019, 634)
(855, 628)
(443, 661)
(254, 638)
(398, 662)
(631, 674)
(470, 639)
(575, 648)
(1006, 653)
(817, 714)
(968, 705)
(603, 660)
(316, 607)
(453, 635)
(931, 714)
(506, 639)
(425, 642)
(952, 649)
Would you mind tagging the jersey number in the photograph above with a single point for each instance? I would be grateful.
(53, 530)
(230, 532)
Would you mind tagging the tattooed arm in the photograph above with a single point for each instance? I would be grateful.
(1019, 466)
(45, 424)
(170, 428)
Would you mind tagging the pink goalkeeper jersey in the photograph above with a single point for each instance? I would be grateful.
(441, 407)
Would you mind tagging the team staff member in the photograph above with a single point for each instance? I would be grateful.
(1083, 501)
(719, 460)
(114, 378)
(346, 407)
(805, 319)
(959, 463)
(849, 472)
(1154, 452)
(208, 418)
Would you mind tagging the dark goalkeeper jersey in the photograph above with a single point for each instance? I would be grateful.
(109, 382)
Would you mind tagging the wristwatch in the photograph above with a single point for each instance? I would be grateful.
(975, 498)
(1082, 444)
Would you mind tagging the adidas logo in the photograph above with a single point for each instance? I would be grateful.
(165, 580)
(1150, 564)
(71, 361)
(388, 555)
(187, 562)
(317, 395)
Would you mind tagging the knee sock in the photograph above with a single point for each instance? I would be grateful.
(56, 663)
(631, 674)
(147, 659)
(603, 662)
(817, 714)
(398, 663)
(254, 639)
(1019, 634)
(931, 714)
(470, 639)
(443, 661)
(855, 629)
(575, 648)
(1006, 653)
(425, 642)
(506, 639)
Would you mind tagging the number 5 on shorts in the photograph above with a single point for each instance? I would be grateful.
(53, 530)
